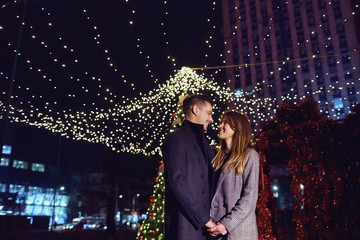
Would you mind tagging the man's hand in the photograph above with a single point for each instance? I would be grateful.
(219, 228)
(210, 224)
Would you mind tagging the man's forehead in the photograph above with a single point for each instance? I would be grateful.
(208, 105)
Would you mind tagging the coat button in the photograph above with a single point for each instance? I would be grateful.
(203, 191)
(202, 175)
(195, 147)
(198, 160)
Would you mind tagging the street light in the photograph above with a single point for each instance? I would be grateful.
(275, 191)
(134, 201)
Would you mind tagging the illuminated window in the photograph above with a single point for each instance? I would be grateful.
(338, 103)
(6, 149)
(2, 187)
(20, 164)
(38, 167)
(4, 162)
(15, 188)
(35, 190)
(238, 93)
(49, 190)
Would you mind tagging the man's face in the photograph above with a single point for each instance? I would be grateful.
(204, 115)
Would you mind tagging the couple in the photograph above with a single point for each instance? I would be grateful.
(209, 197)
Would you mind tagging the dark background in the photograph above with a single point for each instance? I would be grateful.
(186, 29)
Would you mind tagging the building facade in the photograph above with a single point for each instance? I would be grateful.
(27, 188)
(293, 49)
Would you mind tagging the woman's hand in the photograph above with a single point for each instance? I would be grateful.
(218, 229)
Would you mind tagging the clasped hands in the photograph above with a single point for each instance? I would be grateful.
(215, 229)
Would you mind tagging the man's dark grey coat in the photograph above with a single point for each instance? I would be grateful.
(187, 182)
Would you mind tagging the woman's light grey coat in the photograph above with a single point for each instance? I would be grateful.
(234, 201)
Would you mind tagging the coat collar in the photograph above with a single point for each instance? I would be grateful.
(198, 136)
(197, 129)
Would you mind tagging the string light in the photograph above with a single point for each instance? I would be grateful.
(139, 127)
(306, 39)
(111, 64)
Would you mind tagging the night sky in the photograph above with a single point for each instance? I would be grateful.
(185, 25)
(186, 29)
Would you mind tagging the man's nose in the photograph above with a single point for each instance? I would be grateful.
(211, 119)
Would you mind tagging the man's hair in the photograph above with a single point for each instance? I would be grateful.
(195, 99)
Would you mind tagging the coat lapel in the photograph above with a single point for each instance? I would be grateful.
(193, 142)
(221, 179)
(205, 146)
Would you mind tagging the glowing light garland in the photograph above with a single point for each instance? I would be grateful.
(139, 125)
(131, 125)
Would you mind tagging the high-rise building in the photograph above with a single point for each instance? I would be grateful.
(294, 49)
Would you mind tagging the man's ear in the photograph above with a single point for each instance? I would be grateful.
(195, 110)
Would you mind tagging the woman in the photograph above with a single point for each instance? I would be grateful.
(237, 174)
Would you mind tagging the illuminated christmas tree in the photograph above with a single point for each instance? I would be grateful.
(153, 226)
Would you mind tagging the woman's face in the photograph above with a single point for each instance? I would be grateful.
(225, 131)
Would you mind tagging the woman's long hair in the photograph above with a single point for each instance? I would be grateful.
(241, 143)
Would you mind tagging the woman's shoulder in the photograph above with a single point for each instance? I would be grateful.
(252, 152)
(252, 155)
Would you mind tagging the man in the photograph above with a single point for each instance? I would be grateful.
(188, 173)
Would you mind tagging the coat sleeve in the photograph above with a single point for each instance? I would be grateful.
(179, 182)
(249, 194)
